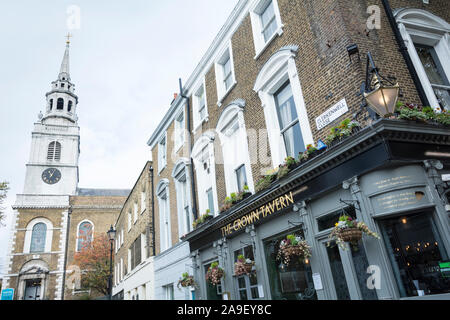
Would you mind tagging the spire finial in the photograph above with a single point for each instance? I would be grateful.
(69, 35)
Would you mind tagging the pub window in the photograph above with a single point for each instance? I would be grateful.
(292, 282)
(416, 250)
(435, 73)
(247, 284)
(241, 178)
(328, 221)
(288, 120)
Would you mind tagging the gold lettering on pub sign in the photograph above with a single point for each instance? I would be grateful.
(260, 213)
(391, 182)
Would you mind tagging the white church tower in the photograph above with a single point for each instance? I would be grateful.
(52, 168)
(41, 213)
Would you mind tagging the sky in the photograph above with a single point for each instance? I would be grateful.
(125, 60)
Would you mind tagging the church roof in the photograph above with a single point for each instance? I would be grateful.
(103, 192)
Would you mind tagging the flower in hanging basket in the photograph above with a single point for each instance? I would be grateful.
(349, 230)
(243, 265)
(293, 246)
(214, 273)
(186, 281)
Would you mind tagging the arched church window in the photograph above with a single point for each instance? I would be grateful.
(38, 237)
(69, 108)
(51, 104)
(60, 104)
(54, 151)
(85, 232)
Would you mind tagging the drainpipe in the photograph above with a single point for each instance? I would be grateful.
(404, 51)
(153, 213)
(188, 118)
(69, 212)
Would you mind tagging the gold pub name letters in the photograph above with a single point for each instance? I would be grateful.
(262, 212)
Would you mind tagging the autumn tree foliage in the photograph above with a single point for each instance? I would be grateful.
(93, 260)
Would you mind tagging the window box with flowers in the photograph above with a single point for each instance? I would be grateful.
(234, 198)
(346, 128)
(202, 219)
(293, 246)
(243, 266)
(412, 112)
(214, 274)
(186, 281)
(348, 230)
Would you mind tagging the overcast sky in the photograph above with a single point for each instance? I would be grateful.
(125, 61)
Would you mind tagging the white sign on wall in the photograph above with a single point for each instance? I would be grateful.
(331, 114)
(446, 177)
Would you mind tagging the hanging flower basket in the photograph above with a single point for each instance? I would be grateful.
(186, 281)
(348, 230)
(243, 266)
(214, 273)
(293, 246)
(351, 234)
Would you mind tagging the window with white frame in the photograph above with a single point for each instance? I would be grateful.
(169, 292)
(279, 89)
(426, 37)
(210, 198)
(135, 212)
(129, 220)
(236, 157)
(199, 106)
(179, 130)
(143, 196)
(266, 23)
(143, 247)
(183, 202)
(288, 121)
(204, 162)
(225, 77)
(162, 154)
(38, 236)
(164, 217)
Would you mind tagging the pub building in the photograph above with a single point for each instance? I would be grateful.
(392, 175)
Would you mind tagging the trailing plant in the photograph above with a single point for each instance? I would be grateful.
(202, 219)
(409, 111)
(243, 265)
(344, 129)
(214, 273)
(282, 171)
(234, 198)
(186, 281)
(293, 246)
(349, 230)
(266, 179)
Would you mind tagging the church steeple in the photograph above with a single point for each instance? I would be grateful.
(61, 100)
(65, 70)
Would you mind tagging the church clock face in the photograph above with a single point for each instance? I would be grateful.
(51, 175)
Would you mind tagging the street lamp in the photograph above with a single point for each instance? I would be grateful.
(112, 236)
(381, 98)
